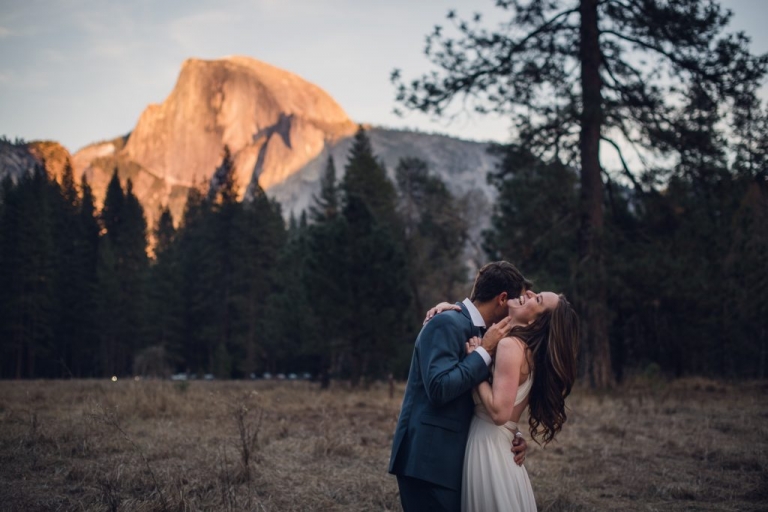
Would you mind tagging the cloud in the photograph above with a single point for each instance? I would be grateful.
(110, 49)
(110, 19)
(53, 56)
(5, 32)
(29, 81)
(190, 31)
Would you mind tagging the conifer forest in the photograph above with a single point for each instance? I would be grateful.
(233, 290)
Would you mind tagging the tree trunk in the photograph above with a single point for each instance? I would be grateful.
(356, 368)
(591, 272)
(19, 358)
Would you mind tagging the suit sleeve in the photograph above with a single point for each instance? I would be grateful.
(446, 376)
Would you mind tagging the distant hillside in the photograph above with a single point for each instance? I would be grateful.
(18, 159)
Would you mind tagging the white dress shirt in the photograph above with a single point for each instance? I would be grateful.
(477, 320)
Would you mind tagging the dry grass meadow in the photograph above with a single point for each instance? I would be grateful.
(274, 446)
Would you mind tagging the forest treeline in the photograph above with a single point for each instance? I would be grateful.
(233, 290)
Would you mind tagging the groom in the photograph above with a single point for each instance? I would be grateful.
(428, 447)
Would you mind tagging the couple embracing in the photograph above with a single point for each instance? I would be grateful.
(457, 445)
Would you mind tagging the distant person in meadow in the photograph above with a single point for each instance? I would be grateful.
(429, 443)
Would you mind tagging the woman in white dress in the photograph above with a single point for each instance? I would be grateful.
(534, 368)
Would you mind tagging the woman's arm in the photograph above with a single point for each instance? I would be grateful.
(443, 306)
(499, 398)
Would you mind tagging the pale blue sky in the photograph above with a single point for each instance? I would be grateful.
(78, 71)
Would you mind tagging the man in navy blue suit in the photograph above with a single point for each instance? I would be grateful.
(428, 447)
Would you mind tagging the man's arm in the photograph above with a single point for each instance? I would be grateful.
(445, 375)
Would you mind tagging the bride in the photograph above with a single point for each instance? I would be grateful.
(534, 369)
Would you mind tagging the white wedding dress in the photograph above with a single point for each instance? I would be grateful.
(491, 480)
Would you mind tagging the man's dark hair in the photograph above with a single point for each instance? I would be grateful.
(497, 277)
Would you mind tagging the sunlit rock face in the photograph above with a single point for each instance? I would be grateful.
(54, 156)
(273, 122)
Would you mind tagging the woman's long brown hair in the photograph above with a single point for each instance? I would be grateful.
(553, 340)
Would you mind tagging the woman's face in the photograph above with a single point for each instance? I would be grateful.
(527, 308)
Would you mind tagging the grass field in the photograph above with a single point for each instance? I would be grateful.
(273, 446)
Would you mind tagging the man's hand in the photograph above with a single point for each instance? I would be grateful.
(443, 306)
(519, 447)
(495, 333)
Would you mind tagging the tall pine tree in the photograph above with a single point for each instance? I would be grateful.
(374, 265)
(576, 75)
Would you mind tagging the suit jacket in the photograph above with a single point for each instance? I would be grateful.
(437, 407)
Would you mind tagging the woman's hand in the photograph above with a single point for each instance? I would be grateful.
(443, 306)
(473, 343)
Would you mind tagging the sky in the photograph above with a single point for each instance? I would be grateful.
(80, 71)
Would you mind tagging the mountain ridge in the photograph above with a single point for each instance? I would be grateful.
(279, 129)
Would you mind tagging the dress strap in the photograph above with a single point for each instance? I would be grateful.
(524, 389)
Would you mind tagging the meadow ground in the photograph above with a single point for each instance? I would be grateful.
(280, 446)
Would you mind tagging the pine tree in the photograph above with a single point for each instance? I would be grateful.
(326, 280)
(326, 205)
(69, 280)
(165, 231)
(198, 268)
(9, 225)
(377, 288)
(366, 178)
(224, 233)
(435, 234)
(747, 283)
(111, 214)
(28, 273)
(533, 222)
(111, 318)
(86, 362)
(373, 259)
(261, 238)
(165, 311)
(122, 271)
(6, 189)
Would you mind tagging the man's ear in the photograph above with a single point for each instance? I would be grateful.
(503, 299)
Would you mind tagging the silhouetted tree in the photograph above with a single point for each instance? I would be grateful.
(435, 233)
(198, 267)
(573, 73)
(326, 204)
(122, 273)
(326, 285)
(165, 311)
(534, 219)
(376, 281)
(28, 295)
(259, 281)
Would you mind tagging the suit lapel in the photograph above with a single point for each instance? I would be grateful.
(473, 329)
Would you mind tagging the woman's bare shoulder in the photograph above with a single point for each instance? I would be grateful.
(512, 342)
(512, 346)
